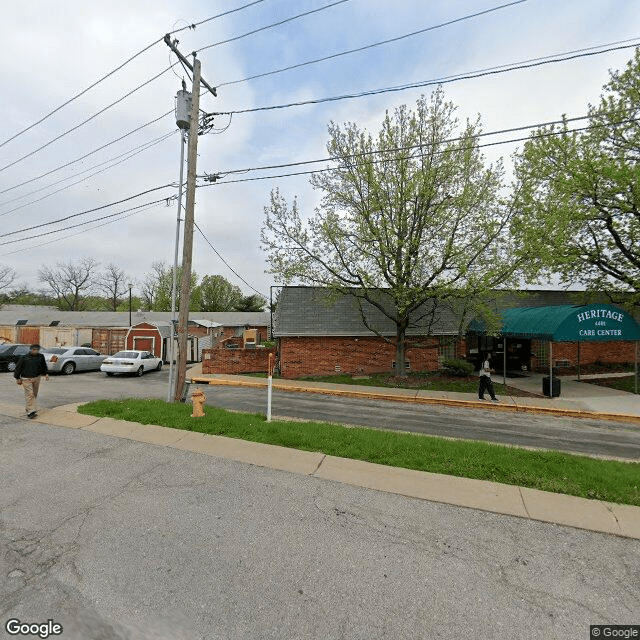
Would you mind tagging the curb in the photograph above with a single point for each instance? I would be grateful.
(484, 495)
(449, 402)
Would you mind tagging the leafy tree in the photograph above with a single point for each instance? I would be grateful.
(579, 195)
(414, 211)
(164, 286)
(23, 295)
(70, 281)
(253, 302)
(218, 294)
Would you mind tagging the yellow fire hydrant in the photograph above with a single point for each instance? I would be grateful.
(198, 398)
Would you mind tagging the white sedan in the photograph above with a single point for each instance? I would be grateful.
(132, 362)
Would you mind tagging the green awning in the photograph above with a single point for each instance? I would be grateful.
(569, 323)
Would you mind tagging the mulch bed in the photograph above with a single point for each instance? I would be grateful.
(416, 382)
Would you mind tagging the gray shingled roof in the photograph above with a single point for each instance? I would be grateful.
(10, 314)
(312, 311)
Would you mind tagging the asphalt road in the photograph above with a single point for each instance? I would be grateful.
(122, 540)
(607, 438)
(564, 434)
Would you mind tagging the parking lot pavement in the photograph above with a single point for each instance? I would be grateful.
(87, 386)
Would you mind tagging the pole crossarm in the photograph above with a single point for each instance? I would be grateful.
(174, 48)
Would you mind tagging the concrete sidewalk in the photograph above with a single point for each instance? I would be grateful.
(579, 400)
(581, 513)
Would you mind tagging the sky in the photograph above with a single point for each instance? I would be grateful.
(54, 50)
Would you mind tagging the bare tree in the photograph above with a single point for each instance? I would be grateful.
(113, 284)
(151, 284)
(7, 276)
(70, 281)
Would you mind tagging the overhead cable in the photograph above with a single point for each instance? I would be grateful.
(82, 213)
(89, 119)
(86, 222)
(271, 26)
(113, 162)
(86, 155)
(120, 66)
(546, 134)
(228, 265)
(371, 46)
(104, 224)
(526, 64)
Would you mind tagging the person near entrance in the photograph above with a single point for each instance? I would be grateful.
(485, 378)
(28, 371)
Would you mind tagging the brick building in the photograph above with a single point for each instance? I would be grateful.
(319, 333)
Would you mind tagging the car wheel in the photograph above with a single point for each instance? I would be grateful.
(159, 366)
(109, 373)
(140, 371)
(11, 366)
(68, 368)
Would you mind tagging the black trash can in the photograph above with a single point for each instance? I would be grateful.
(555, 387)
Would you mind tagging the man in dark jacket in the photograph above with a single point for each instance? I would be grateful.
(28, 371)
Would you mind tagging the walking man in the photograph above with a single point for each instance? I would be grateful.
(27, 374)
(485, 379)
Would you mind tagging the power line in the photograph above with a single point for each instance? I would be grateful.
(120, 66)
(131, 153)
(537, 125)
(228, 265)
(78, 95)
(525, 64)
(271, 26)
(82, 224)
(220, 15)
(87, 120)
(86, 155)
(82, 213)
(104, 224)
(371, 46)
(482, 145)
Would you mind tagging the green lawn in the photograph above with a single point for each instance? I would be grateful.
(550, 471)
(623, 384)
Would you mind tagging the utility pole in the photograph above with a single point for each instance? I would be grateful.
(187, 246)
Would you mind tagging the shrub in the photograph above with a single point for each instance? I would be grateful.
(267, 344)
(458, 367)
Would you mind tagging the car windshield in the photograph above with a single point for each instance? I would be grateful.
(126, 354)
(57, 350)
(4, 347)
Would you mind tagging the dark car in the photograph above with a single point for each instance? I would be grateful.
(10, 354)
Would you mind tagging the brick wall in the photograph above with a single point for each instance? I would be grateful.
(329, 355)
(234, 361)
(590, 352)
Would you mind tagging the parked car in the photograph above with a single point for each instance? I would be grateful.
(69, 359)
(133, 362)
(10, 354)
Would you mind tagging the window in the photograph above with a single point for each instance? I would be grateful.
(540, 352)
(446, 348)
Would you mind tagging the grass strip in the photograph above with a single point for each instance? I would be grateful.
(575, 475)
(622, 384)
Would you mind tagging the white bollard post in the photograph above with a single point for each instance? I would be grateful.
(269, 387)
